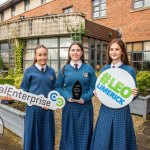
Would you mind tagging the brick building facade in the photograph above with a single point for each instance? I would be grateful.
(130, 18)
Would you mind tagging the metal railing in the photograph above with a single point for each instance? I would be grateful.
(40, 26)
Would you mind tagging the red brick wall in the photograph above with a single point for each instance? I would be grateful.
(134, 26)
(56, 6)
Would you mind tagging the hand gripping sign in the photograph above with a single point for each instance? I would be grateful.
(114, 88)
(53, 101)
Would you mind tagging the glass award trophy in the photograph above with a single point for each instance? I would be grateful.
(77, 90)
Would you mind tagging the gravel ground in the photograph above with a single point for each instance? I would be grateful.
(10, 141)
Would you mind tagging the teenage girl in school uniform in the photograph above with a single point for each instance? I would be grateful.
(77, 114)
(114, 129)
(39, 132)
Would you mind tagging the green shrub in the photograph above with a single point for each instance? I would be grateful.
(1, 63)
(10, 73)
(143, 82)
(18, 80)
(7, 81)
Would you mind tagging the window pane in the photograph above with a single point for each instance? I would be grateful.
(95, 2)
(92, 43)
(65, 42)
(137, 47)
(85, 54)
(5, 54)
(85, 42)
(66, 11)
(137, 65)
(103, 6)
(137, 56)
(43, 1)
(146, 46)
(62, 63)
(27, 4)
(146, 66)
(146, 56)
(2, 16)
(31, 43)
(105, 46)
(96, 14)
(103, 58)
(49, 42)
(102, 1)
(27, 64)
(54, 65)
(13, 11)
(130, 57)
(28, 55)
(147, 3)
(138, 4)
(96, 8)
(63, 53)
(129, 47)
(103, 13)
(71, 9)
(52, 54)
(92, 54)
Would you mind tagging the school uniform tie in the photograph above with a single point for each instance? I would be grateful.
(42, 70)
(76, 66)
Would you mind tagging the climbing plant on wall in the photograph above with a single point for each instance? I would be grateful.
(18, 48)
(77, 33)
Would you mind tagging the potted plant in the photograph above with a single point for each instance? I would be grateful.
(13, 118)
(141, 104)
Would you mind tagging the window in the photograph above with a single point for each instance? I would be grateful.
(28, 53)
(139, 54)
(26, 5)
(43, 1)
(2, 16)
(13, 11)
(99, 8)
(5, 55)
(68, 10)
(141, 3)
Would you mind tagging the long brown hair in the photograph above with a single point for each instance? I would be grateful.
(80, 45)
(35, 49)
(124, 56)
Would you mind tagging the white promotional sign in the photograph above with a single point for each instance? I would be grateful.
(1, 127)
(114, 88)
(53, 102)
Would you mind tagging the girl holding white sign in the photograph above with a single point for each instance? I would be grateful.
(114, 129)
(76, 83)
(39, 126)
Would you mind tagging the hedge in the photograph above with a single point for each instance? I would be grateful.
(7, 81)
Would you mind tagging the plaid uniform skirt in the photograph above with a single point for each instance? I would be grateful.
(39, 131)
(77, 126)
(114, 130)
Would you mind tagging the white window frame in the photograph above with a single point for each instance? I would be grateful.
(26, 5)
(97, 8)
(68, 10)
(137, 4)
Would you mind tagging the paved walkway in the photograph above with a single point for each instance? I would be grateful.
(143, 135)
(10, 141)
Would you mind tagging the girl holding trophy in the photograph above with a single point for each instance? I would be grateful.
(76, 82)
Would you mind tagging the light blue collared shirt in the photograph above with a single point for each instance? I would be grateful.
(39, 67)
(117, 65)
(78, 62)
